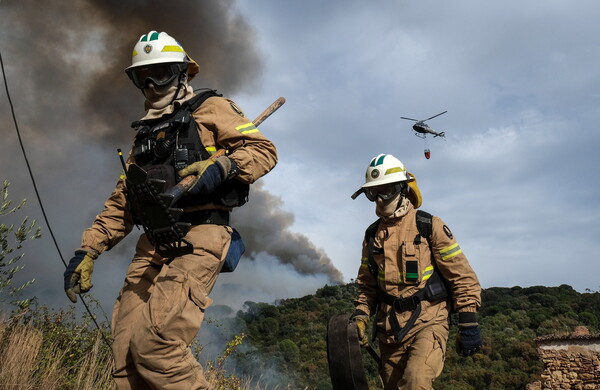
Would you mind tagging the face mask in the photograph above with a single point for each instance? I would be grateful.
(160, 97)
(386, 208)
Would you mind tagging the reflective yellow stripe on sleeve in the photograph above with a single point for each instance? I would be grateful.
(211, 149)
(364, 262)
(427, 272)
(451, 251)
(247, 128)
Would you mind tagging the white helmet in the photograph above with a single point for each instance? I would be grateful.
(384, 169)
(387, 169)
(157, 48)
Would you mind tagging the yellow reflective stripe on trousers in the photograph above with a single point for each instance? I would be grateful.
(451, 251)
(247, 128)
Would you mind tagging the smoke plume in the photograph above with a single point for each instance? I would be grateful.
(65, 63)
(266, 228)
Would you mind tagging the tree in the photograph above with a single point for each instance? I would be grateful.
(290, 351)
(11, 240)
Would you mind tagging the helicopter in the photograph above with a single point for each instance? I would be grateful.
(422, 129)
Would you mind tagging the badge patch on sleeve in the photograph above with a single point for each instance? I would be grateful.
(447, 231)
(236, 109)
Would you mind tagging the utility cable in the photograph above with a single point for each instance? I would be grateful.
(12, 110)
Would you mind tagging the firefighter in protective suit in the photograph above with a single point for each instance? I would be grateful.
(408, 258)
(161, 305)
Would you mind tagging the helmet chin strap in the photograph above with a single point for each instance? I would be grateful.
(181, 80)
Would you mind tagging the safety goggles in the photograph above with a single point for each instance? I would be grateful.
(157, 74)
(385, 191)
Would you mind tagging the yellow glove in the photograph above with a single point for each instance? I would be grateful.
(361, 319)
(199, 167)
(196, 168)
(78, 275)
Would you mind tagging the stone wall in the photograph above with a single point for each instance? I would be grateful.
(577, 370)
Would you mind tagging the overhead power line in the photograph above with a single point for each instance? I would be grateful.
(37, 194)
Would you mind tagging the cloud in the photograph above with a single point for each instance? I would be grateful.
(515, 179)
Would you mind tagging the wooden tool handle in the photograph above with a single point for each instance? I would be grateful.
(187, 182)
(267, 113)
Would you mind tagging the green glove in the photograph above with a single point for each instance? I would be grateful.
(78, 275)
(361, 319)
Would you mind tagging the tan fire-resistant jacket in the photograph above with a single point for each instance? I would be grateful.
(396, 236)
(221, 125)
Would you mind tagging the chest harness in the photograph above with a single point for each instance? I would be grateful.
(435, 289)
(162, 147)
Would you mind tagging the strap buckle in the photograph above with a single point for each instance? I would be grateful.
(406, 304)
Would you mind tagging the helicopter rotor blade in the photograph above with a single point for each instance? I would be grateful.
(410, 119)
(435, 115)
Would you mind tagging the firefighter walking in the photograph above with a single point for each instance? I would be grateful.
(161, 306)
(408, 258)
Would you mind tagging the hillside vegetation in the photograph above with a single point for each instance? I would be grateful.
(283, 345)
(290, 336)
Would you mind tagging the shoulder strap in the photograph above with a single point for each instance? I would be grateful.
(191, 105)
(424, 225)
(199, 98)
(193, 150)
(371, 230)
(370, 239)
(437, 285)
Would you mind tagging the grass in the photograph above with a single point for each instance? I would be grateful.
(29, 359)
(54, 351)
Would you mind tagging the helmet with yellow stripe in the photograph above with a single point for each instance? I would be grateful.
(385, 170)
(159, 58)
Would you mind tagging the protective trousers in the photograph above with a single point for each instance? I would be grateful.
(416, 362)
(160, 310)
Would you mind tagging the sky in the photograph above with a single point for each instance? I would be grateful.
(514, 178)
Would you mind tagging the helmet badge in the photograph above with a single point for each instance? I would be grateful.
(375, 173)
(147, 49)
